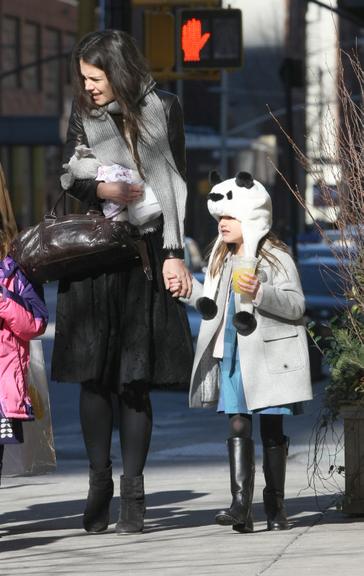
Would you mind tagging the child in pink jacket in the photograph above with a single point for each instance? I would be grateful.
(23, 316)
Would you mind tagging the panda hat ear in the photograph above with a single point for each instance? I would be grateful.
(214, 177)
(244, 179)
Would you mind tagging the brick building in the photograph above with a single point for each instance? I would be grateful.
(36, 38)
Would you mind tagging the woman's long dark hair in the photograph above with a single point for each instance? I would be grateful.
(116, 53)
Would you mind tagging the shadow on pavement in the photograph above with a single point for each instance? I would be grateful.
(25, 543)
(163, 513)
(66, 515)
(50, 516)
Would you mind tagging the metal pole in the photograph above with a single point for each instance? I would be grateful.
(223, 124)
(86, 17)
(118, 15)
(102, 14)
(292, 170)
(293, 76)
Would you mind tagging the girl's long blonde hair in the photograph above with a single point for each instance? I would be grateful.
(224, 249)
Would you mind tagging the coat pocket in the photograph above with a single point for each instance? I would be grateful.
(282, 349)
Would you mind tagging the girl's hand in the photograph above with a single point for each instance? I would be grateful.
(249, 284)
(120, 192)
(176, 274)
(175, 285)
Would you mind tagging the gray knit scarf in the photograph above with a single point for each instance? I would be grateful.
(156, 158)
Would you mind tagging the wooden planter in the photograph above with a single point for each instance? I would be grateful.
(353, 502)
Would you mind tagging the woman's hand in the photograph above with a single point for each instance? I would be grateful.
(177, 278)
(249, 284)
(120, 192)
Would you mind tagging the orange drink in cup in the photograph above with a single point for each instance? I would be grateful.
(242, 265)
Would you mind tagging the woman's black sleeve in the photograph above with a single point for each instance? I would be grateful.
(176, 137)
(83, 190)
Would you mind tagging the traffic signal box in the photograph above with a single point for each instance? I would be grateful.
(209, 39)
(193, 43)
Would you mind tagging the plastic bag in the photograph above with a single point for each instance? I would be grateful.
(37, 454)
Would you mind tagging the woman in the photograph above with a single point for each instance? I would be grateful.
(120, 332)
(251, 353)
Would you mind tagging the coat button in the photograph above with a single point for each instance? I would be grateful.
(285, 366)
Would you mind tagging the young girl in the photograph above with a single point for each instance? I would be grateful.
(23, 315)
(250, 358)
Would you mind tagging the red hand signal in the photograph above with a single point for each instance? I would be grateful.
(192, 40)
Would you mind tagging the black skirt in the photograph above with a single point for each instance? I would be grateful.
(121, 328)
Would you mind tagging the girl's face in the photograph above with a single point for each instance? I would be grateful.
(230, 230)
(96, 84)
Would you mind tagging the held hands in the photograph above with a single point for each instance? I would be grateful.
(249, 284)
(177, 278)
(120, 192)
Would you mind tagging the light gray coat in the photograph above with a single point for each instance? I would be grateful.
(274, 358)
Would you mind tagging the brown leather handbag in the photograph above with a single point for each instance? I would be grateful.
(77, 246)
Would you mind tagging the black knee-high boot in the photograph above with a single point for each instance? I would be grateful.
(96, 515)
(274, 467)
(242, 471)
(132, 505)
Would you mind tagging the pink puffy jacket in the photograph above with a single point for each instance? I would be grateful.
(23, 316)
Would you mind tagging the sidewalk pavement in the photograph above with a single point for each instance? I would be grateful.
(187, 480)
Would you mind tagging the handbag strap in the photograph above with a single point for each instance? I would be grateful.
(52, 213)
(142, 249)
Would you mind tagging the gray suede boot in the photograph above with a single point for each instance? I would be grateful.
(96, 515)
(132, 505)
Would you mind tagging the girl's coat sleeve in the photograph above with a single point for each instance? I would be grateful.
(24, 312)
(284, 298)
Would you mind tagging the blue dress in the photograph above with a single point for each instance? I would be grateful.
(231, 396)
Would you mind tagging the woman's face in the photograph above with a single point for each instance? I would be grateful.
(230, 230)
(96, 84)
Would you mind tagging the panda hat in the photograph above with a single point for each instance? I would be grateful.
(247, 201)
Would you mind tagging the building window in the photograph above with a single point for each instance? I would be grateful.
(69, 41)
(32, 78)
(11, 51)
(52, 81)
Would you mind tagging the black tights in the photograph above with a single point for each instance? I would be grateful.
(135, 426)
(271, 428)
